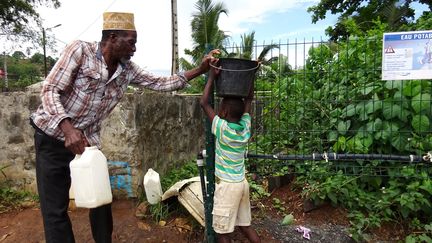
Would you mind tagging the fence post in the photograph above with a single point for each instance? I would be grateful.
(210, 168)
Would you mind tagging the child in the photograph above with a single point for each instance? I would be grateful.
(231, 126)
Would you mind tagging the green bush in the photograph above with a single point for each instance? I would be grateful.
(11, 199)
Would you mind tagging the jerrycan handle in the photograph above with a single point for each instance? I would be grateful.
(150, 173)
(91, 148)
(77, 156)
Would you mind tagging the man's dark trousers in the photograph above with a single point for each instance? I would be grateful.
(53, 182)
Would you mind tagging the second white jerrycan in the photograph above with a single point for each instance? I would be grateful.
(152, 186)
(90, 179)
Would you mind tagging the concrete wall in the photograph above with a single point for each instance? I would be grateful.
(145, 130)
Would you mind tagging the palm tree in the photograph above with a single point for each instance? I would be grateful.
(246, 46)
(246, 49)
(205, 30)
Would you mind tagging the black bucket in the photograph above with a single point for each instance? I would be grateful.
(236, 77)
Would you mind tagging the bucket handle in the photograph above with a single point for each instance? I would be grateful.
(234, 70)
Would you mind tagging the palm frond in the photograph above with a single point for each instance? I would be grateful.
(205, 30)
(265, 51)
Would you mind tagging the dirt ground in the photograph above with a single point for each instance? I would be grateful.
(327, 224)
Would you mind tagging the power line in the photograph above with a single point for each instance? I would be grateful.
(97, 18)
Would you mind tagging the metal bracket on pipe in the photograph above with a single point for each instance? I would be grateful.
(428, 157)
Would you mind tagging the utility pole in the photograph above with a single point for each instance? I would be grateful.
(44, 51)
(174, 37)
(6, 81)
(5, 72)
(44, 47)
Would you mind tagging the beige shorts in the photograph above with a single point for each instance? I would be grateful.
(231, 206)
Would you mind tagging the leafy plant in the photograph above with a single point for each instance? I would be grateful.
(11, 199)
(186, 171)
(257, 191)
(160, 211)
(337, 102)
(279, 205)
(423, 235)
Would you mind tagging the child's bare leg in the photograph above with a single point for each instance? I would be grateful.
(223, 238)
(250, 233)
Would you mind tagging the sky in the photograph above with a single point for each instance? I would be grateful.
(272, 21)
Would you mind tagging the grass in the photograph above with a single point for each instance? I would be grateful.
(11, 199)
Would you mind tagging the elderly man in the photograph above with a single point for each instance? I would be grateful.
(81, 90)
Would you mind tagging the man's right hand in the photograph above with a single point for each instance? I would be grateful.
(75, 140)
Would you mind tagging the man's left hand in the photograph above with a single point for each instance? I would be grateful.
(207, 59)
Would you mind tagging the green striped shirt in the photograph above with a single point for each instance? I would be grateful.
(231, 144)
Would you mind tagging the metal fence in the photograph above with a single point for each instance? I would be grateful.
(323, 103)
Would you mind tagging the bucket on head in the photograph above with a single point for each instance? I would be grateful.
(236, 77)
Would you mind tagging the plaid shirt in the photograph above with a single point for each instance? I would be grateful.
(78, 88)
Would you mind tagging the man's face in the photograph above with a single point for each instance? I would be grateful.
(125, 46)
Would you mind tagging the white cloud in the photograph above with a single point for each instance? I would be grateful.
(245, 14)
(300, 33)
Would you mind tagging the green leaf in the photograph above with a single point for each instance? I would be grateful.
(405, 212)
(343, 126)
(391, 110)
(375, 181)
(399, 98)
(399, 141)
(340, 144)
(427, 186)
(370, 107)
(421, 102)
(351, 51)
(332, 197)
(420, 123)
(389, 129)
(388, 211)
(428, 227)
(374, 126)
(393, 84)
(367, 141)
(360, 107)
(335, 113)
(410, 239)
(367, 90)
(349, 110)
(363, 116)
(332, 136)
(403, 115)
(411, 88)
(425, 238)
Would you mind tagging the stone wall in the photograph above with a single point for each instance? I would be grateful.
(145, 130)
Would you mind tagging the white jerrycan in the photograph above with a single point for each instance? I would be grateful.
(90, 179)
(152, 186)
